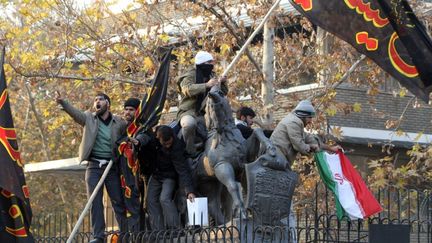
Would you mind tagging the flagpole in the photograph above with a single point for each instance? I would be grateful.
(89, 202)
(249, 40)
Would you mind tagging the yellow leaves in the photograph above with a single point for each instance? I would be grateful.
(391, 123)
(68, 64)
(337, 132)
(80, 41)
(380, 183)
(24, 11)
(224, 49)
(374, 164)
(148, 64)
(26, 57)
(419, 135)
(164, 37)
(399, 132)
(331, 111)
(402, 92)
(107, 64)
(379, 172)
(357, 107)
(182, 56)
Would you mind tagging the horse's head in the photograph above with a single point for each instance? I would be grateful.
(218, 111)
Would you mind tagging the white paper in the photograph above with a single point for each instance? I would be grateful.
(198, 211)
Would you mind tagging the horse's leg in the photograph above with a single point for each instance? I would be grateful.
(253, 145)
(225, 174)
(215, 202)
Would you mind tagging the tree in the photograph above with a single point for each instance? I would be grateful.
(59, 45)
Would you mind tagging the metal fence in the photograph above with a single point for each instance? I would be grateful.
(316, 221)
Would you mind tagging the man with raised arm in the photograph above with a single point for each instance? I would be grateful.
(101, 129)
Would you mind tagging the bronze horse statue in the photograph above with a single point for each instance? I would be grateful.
(225, 155)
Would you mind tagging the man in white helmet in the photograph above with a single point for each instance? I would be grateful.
(290, 138)
(194, 86)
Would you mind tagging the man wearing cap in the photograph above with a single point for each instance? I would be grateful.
(289, 136)
(194, 86)
(100, 131)
(129, 167)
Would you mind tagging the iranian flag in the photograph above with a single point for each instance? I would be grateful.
(353, 198)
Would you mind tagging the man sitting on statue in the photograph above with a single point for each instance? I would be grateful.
(194, 86)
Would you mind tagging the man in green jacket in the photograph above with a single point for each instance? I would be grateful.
(194, 86)
(101, 130)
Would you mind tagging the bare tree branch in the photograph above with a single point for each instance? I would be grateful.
(39, 123)
(61, 76)
(239, 36)
(341, 80)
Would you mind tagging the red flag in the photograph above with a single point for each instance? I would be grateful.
(15, 210)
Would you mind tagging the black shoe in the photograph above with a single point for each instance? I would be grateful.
(97, 240)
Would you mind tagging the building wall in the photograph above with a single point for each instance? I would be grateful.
(383, 107)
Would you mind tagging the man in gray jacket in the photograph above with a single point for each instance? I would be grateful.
(101, 129)
(289, 137)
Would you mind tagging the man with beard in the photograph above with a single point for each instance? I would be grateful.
(244, 121)
(101, 130)
(131, 169)
(194, 86)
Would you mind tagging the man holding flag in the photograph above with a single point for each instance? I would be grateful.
(135, 149)
(289, 136)
(129, 162)
(15, 210)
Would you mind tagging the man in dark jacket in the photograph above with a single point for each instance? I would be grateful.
(245, 118)
(244, 121)
(101, 129)
(170, 166)
(193, 87)
(130, 168)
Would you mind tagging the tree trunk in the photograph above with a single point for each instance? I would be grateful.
(39, 123)
(269, 74)
(324, 41)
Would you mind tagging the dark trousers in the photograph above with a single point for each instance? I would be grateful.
(113, 187)
(160, 204)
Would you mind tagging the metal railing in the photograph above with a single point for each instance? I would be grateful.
(316, 221)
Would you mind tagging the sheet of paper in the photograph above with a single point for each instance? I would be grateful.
(198, 211)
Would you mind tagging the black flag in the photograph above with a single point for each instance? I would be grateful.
(152, 104)
(387, 31)
(146, 116)
(15, 217)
